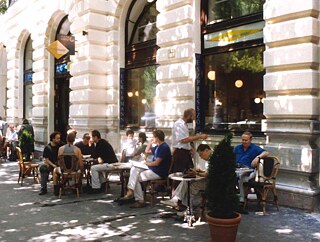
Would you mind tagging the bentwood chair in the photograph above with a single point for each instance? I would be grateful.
(70, 177)
(26, 168)
(267, 171)
(164, 183)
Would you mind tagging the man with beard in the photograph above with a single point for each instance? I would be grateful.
(181, 143)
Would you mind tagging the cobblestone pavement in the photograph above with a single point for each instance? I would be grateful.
(26, 216)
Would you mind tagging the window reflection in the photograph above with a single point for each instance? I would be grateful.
(27, 80)
(219, 10)
(234, 90)
(141, 92)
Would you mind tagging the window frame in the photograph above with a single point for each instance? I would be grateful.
(212, 28)
(137, 55)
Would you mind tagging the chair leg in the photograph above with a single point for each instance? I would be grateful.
(60, 191)
(264, 200)
(275, 198)
(202, 207)
(152, 194)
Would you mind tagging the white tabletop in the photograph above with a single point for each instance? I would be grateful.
(178, 176)
(244, 170)
(119, 166)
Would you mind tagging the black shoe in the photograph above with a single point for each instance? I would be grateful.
(242, 210)
(103, 186)
(94, 191)
(56, 190)
(43, 191)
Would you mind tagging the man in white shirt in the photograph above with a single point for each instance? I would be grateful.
(11, 142)
(181, 143)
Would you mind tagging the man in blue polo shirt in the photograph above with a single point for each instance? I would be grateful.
(247, 155)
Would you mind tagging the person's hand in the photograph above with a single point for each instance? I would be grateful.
(255, 162)
(202, 136)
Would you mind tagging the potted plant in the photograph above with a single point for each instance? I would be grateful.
(222, 199)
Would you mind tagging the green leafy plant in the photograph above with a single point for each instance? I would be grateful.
(26, 141)
(3, 6)
(222, 199)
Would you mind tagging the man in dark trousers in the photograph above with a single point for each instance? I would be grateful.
(50, 162)
(104, 154)
(181, 143)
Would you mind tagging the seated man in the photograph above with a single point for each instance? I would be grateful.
(11, 142)
(248, 155)
(104, 154)
(180, 195)
(84, 145)
(50, 161)
(157, 169)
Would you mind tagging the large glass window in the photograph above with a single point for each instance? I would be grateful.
(138, 85)
(141, 90)
(219, 10)
(233, 90)
(27, 80)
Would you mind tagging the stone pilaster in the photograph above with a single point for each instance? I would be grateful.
(291, 107)
(95, 70)
(176, 57)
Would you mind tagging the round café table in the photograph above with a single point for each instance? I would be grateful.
(179, 176)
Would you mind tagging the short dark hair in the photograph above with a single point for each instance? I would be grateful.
(143, 136)
(159, 134)
(247, 133)
(96, 133)
(188, 112)
(25, 121)
(129, 131)
(203, 147)
(54, 134)
(86, 136)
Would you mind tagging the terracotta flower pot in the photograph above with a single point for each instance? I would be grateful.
(223, 230)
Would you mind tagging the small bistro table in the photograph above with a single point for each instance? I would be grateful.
(178, 176)
(121, 169)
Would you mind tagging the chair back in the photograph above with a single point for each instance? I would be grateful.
(19, 155)
(268, 169)
(68, 163)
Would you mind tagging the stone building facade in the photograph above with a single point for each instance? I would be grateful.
(290, 42)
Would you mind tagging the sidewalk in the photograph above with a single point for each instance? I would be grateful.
(26, 216)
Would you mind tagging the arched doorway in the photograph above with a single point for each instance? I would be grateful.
(62, 81)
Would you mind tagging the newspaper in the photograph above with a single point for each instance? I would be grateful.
(139, 164)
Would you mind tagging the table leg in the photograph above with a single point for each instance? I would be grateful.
(189, 216)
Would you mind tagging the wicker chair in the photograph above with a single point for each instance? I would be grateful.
(267, 171)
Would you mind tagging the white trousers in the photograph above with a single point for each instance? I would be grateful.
(97, 175)
(244, 177)
(181, 192)
(138, 175)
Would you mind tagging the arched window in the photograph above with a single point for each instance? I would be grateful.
(27, 80)
(138, 80)
(231, 89)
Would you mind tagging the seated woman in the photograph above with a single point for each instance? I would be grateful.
(157, 169)
(70, 149)
(129, 147)
(141, 146)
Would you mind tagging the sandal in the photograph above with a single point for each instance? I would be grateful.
(138, 205)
